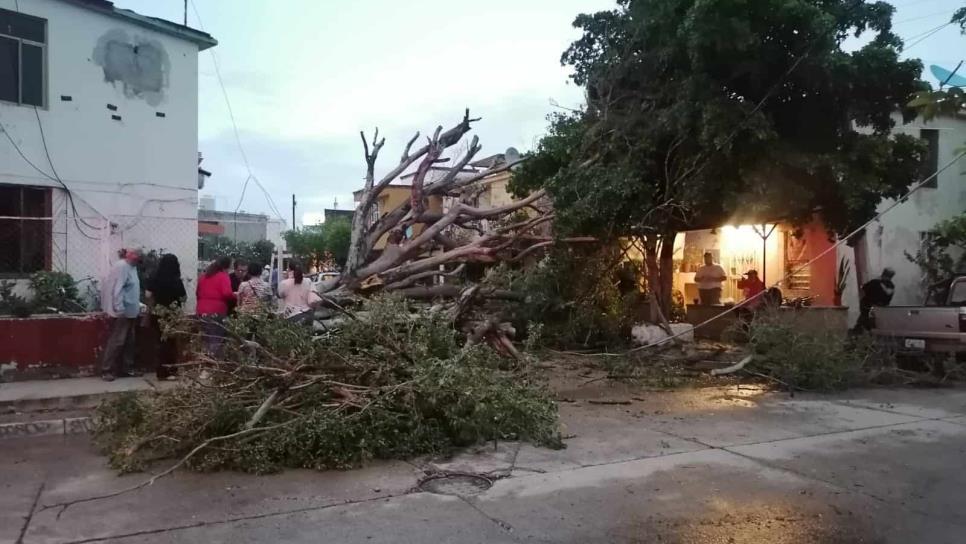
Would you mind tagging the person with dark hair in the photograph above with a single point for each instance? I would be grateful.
(709, 279)
(238, 274)
(297, 294)
(165, 288)
(214, 293)
(254, 292)
(876, 292)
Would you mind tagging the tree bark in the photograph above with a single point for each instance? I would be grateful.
(665, 292)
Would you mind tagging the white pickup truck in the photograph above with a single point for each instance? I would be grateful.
(930, 328)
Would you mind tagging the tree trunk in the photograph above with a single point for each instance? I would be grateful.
(653, 275)
(666, 264)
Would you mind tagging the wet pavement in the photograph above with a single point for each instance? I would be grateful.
(719, 465)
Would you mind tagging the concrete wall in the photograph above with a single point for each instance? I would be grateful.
(887, 240)
(134, 180)
(818, 320)
(496, 193)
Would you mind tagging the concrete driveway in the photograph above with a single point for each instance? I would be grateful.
(704, 466)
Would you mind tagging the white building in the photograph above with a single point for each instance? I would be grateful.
(99, 107)
(900, 231)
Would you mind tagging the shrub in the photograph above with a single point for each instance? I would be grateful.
(55, 291)
(12, 303)
(576, 297)
(804, 358)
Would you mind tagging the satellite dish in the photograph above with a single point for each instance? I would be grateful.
(951, 79)
(511, 156)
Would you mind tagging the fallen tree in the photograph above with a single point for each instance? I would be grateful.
(395, 383)
(426, 250)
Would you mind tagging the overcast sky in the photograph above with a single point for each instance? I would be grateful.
(304, 76)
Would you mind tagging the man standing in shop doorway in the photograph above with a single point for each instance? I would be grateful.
(709, 278)
(121, 300)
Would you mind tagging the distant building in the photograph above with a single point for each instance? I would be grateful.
(330, 214)
(493, 190)
(238, 227)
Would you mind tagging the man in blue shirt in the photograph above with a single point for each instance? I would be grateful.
(121, 300)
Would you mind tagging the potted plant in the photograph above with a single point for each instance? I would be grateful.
(840, 280)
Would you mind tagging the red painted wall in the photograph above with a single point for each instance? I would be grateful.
(62, 344)
(823, 270)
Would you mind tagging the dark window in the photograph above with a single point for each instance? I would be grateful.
(22, 26)
(931, 164)
(9, 69)
(22, 42)
(25, 230)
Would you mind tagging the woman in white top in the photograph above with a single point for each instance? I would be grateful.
(296, 293)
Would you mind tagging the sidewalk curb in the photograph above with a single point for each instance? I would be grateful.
(72, 402)
(46, 427)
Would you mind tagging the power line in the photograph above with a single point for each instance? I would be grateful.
(928, 35)
(775, 87)
(234, 125)
(69, 193)
(921, 17)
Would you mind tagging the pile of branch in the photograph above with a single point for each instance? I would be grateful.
(391, 384)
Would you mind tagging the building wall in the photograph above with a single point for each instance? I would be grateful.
(242, 227)
(496, 193)
(273, 233)
(888, 240)
(133, 180)
(394, 195)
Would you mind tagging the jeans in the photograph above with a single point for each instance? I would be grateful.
(118, 356)
(213, 334)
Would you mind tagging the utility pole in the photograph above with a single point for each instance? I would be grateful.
(293, 212)
(185, 12)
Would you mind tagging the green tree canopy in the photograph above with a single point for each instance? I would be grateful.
(698, 111)
(317, 245)
(212, 247)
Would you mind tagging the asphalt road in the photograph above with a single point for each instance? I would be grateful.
(705, 466)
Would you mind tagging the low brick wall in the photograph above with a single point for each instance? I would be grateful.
(834, 318)
(63, 346)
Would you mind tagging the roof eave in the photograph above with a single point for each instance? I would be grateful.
(202, 39)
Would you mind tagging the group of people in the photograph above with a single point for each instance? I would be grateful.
(875, 292)
(220, 294)
(710, 277)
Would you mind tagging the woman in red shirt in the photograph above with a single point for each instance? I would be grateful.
(214, 292)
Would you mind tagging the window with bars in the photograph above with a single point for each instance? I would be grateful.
(23, 42)
(25, 230)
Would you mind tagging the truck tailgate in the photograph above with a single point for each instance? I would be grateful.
(939, 326)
